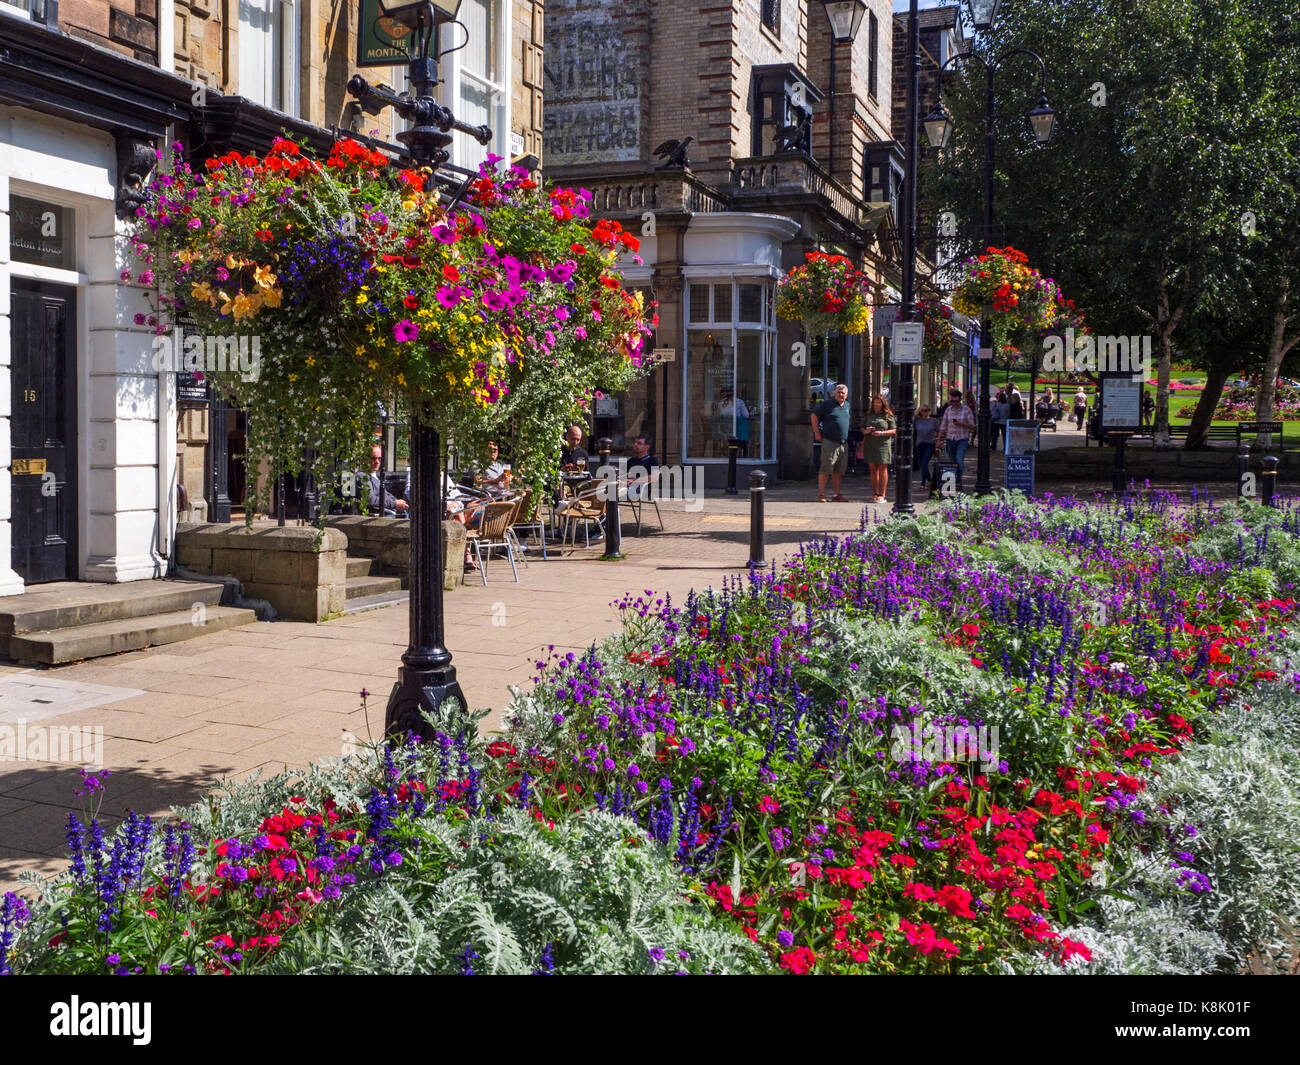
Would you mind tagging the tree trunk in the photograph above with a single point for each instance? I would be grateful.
(1165, 325)
(1204, 414)
(1277, 350)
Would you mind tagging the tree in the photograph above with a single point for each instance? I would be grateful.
(1136, 206)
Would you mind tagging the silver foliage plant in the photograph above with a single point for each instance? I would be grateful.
(1239, 787)
(509, 887)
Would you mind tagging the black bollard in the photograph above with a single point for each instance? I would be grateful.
(613, 522)
(1245, 485)
(733, 452)
(757, 480)
(1119, 483)
(1269, 477)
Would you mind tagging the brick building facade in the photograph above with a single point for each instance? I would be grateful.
(100, 452)
(719, 232)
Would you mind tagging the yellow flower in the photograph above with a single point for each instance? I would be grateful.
(374, 365)
(263, 276)
(202, 292)
(311, 360)
(451, 379)
(361, 350)
(362, 298)
(370, 328)
(271, 297)
(408, 205)
(233, 263)
(401, 379)
(245, 306)
(293, 377)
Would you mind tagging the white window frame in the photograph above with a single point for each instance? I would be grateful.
(290, 29)
(454, 76)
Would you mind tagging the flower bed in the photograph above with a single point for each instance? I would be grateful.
(983, 741)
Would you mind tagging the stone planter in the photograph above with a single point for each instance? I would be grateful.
(284, 566)
(389, 541)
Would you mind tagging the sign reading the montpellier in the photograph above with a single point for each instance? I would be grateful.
(376, 46)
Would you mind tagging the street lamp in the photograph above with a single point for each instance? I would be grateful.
(427, 679)
(1043, 121)
(938, 127)
(984, 13)
(845, 17)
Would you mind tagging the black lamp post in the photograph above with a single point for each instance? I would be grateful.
(938, 128)
(427, 679)
(906, 401)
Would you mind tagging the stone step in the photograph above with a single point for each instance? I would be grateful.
(374, 602)
(363, 587)
(96, 639)
(359, 566)
(74, 603)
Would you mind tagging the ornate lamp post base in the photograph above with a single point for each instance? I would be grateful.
(419, 691)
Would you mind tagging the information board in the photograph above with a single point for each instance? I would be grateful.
(1020, 474)
(1121, 402)
(1021, 437)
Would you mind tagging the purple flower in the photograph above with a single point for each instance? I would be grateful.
(405, 330)
(656, 954)
(785, 937)
(447, 297)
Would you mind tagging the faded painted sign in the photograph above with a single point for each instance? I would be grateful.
(593, 90)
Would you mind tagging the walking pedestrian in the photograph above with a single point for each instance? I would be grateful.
(878, 432)
(955, 428)
(924, 425)
(998, 412)
(1080, 407)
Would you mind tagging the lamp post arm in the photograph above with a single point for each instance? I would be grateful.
(1042, 67)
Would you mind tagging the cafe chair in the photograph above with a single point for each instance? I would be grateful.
(640, 494)
(586, 508)
(493, 534)
(528, 519)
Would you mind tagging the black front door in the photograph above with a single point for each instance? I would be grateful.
(43, 431)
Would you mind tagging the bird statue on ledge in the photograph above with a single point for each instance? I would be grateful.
(674, 154)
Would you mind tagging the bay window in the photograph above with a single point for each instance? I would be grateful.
(730, 367)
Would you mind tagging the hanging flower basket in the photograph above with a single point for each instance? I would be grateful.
(1021, 300)
(937, 319)
(826, 294)
(344, 283)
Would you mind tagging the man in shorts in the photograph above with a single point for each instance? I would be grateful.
(830, 426)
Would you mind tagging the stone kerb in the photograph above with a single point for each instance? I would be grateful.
(282, 566)
(388, 540)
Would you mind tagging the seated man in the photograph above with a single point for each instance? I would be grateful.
(381, 500)
(573, 456)
(641, 456)
(495, 480)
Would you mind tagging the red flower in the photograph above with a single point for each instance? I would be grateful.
(799, 961)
